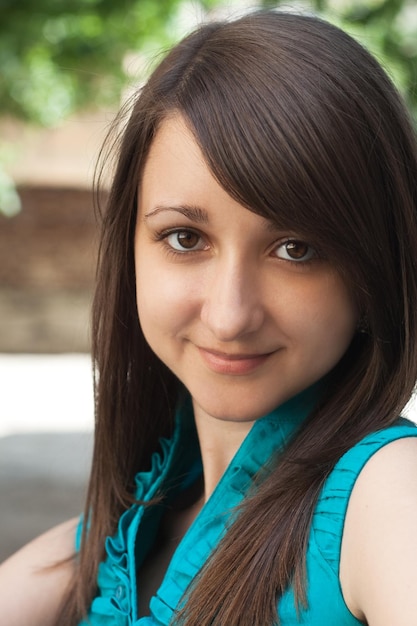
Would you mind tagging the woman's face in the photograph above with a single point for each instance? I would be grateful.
(244, 314)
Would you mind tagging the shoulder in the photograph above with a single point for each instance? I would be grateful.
(334, 498)
(391, 462)
(53, 546)
(378, 567)
(33, 581)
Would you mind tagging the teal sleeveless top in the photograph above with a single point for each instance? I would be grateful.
(174, 467)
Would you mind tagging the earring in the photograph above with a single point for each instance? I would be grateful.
(363, 325)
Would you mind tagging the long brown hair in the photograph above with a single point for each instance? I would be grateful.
(300, 125)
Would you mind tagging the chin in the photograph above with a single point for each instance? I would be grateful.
(238, 412)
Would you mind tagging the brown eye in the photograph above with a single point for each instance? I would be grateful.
(294, 250)
(183, 240)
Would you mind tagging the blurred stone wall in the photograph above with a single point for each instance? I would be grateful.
(47, 264)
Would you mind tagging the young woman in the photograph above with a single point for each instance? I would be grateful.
(254, 341)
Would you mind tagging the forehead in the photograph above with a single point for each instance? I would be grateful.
(173, 140)
(177, 180)
(175, 165)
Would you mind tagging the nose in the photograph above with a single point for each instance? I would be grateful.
(232, 304)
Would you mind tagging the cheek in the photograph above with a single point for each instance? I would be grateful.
(165, 301)
(336, 320)
(324, 317)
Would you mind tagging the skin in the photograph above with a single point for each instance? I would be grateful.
(31, 588)
(244, 314)
(378, 568)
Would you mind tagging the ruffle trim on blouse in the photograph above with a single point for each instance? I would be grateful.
(116, 579)
(117, 603)
(268, 436)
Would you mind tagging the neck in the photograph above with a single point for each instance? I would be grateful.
(219, 441)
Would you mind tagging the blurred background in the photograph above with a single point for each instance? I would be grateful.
(66, 66)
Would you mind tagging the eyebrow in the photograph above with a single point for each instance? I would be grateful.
(193, 213)
(197, 215)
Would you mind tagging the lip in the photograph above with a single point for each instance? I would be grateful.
(232, 364)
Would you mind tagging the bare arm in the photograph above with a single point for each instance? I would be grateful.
(30, 589)
(379, 549)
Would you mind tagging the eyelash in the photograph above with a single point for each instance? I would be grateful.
(163, 237)
(165, 234)
(311, 252)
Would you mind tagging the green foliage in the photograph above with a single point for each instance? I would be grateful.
(388, 28)
(10, 203)
(58, 56)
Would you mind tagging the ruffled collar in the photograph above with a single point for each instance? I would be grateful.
(268, 436)
(176, 464)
